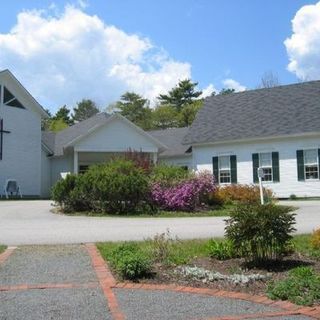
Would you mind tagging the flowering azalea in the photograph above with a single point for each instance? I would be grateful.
(186, 195)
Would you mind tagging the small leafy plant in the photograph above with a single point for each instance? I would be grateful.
(302, 286)
(130, 262)
(161, 247)
(221, 250)
(315, 239)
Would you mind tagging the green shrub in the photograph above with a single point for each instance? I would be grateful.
(130, 262)
(302, 286)
(315, 239)
(240, 193)
(62, 193)
(221, 250)
(260, 232)
(167, 175)
(117, 187)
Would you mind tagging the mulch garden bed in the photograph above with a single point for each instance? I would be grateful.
(163, 274)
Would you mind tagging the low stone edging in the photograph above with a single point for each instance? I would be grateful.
(108, 282)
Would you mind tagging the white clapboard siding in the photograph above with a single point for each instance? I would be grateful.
(289, 184)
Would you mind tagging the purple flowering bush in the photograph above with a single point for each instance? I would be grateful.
(185, 195)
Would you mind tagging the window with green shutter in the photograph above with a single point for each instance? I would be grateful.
(300, 165)
(255, 166)
(225, 169)
(215, 168)
(269, 162)
(233, 165)
(275, 167)
(308, 164)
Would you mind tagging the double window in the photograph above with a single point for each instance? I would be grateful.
(225, 169)
(308, 164)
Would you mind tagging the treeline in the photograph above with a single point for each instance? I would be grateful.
(177, 108)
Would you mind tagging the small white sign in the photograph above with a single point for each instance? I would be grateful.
(260, 173)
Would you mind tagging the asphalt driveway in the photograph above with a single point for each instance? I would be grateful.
(32, 222)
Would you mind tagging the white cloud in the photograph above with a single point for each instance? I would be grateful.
(303, 47)
(233, 84)
(62, 58)
(206, 92)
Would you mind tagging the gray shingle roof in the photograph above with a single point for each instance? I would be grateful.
(172, 138)
(48, 138)
(278, 111)
(66, 136)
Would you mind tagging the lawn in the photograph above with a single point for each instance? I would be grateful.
(184, 251)
(2, 248)
(218, 211)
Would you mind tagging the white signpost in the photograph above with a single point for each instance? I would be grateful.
(260, 176)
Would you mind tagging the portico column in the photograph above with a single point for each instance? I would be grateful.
(155, 157)
(75, 162)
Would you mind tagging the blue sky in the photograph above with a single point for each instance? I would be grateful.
(238, 39)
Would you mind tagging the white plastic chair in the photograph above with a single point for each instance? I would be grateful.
(12, 187)
(64, 174)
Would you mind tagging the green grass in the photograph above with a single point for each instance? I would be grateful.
(2, 248)
(302, 245)
(184, 251)
(221, 211)
(181, 252)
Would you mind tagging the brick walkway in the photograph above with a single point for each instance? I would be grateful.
(73, 282)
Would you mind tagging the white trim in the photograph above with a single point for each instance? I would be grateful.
(33, 102)
(75, 162)
(154, 140)
(249, 140)
(121, 118)
(110, 150)
(46, 148)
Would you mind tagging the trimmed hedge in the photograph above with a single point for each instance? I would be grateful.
(124, 186)
(118, 187)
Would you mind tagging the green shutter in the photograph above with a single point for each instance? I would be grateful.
(319, 163)
(233, 164)
(275, 167)
(215, 167)
(255, 166)
(300, 165)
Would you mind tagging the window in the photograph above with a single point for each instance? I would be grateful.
(266, 164)
(9, 99)
(83, 169)
(224, 169)
(270, 164)
(311, 165)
